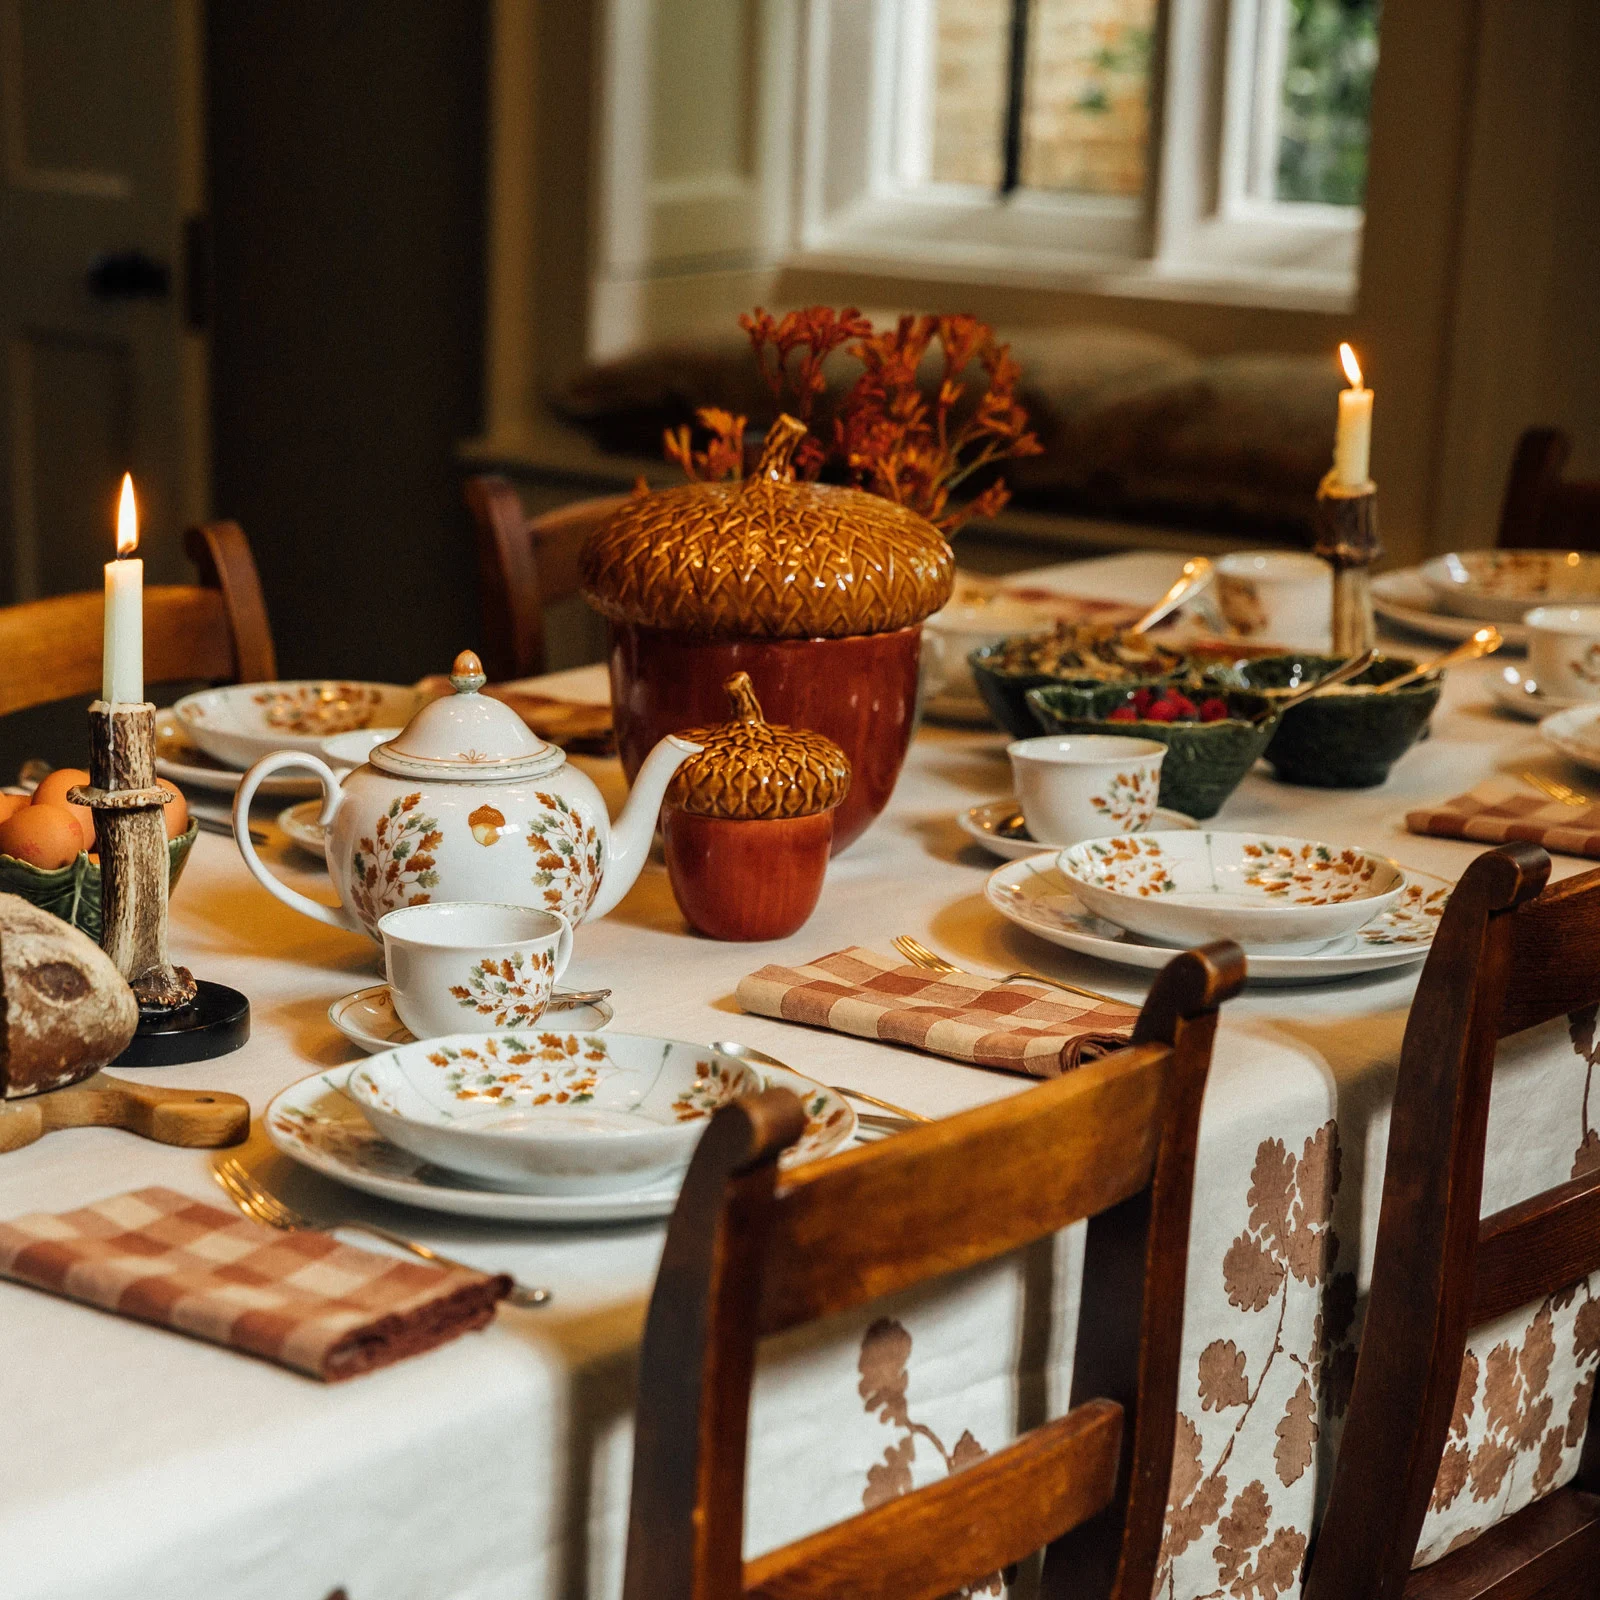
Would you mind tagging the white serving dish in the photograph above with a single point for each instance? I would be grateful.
(184, 763)
(1403, 599)
(985, 823)
(1268, 892)
(242, 722)
(1034, 896)
(1500, 585)
(1575, 733)
(548, 1112)
(316, 1123)
(367, 1017)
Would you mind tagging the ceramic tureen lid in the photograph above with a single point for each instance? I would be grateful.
(467, 736)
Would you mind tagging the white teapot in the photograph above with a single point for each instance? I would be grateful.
(467, 803)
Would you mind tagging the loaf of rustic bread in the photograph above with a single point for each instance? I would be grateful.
(65, 1011)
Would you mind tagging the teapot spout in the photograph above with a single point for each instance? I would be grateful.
(633, 830)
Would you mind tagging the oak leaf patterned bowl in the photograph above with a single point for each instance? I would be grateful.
(564, 1113)
(241, 722)
(1270, 893)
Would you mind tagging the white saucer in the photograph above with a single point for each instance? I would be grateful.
(1575, 732)
(300, 826)
(316, 1123)
(1511, 693)
(1034, 895)
(367, 1018)
(1404, 598)
(983, 824)
(188, 766)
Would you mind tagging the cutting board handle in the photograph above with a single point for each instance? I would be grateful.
(197, 1118)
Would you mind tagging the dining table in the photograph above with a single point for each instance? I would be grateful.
(139, 1462)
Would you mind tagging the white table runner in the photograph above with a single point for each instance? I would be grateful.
(141, 1463)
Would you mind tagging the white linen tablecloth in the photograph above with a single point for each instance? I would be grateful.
(140, 1463)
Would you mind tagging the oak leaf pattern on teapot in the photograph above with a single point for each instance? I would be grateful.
(394, 864)
(566, 856)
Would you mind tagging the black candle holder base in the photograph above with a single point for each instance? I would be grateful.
(215, 1023)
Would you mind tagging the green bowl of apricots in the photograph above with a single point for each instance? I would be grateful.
(1213, 736)
(47, 849)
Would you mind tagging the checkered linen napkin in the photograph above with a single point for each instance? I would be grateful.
(1017, 1027)
(301, 1299)
(1501, 809)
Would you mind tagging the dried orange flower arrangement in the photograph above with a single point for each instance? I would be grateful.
(886, 435)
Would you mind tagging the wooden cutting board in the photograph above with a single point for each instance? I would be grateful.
(197, 1118)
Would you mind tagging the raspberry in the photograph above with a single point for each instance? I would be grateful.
(1142, 699)
(1182, 705)
(1123, 714)
(1162, 711)
(1213, 710)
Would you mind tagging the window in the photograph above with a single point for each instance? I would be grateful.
(1215, 148)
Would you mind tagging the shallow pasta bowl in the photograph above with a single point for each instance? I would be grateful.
(1500, 585)
(1268, 892)
(561, 1113)
(242, 722)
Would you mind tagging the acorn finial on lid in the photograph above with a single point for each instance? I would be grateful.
(466, 673)
(753, 770)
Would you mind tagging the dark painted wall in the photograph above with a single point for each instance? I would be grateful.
(347, 150)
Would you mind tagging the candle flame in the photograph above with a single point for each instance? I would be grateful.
(1352, 367)
(127, 519)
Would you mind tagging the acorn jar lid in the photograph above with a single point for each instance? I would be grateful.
(467, 737)
(767, 558)
(752, 770)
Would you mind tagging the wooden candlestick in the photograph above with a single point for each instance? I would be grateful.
(134, 863)
(1347, 539)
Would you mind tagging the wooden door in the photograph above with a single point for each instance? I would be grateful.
(100, 180)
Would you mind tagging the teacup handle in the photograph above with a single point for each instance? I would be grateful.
(563, 945)
(332, 798)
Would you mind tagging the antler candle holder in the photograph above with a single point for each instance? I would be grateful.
(1347, 539)
(180, 1018)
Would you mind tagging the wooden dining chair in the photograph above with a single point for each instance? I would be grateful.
(524, 565)
(1506, 958)
(215, 629)
(751, 1252)
(1542, 510)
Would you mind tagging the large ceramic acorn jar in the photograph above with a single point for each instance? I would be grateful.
(817, 592)
(467, 803)
(748, 822)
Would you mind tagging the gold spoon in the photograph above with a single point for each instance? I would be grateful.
(1353, 668)
(1197, 575)
(748, 1052)
(1483, 643)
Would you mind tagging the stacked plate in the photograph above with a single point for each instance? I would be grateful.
(557, 1127)
(1303, 910)
(208, 740)
(1454, 595)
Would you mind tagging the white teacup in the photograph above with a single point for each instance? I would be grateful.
(1084, 786)
(456, 967)
(1564, 651)
(1277, 597)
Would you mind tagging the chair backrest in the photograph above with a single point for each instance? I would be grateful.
(215, 630)
(1541, 510)
(752, 1251)
(1507, 957)
(524, 565)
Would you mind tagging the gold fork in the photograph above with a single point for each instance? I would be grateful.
(1567, 795)
(882, 1105)
(263, 1206)
(919, 955)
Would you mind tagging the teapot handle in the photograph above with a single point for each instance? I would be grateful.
(332, 798)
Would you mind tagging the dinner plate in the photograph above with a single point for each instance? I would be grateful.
(316, 1123)
(188, 766)
(1575, 733)
(367, 1018)
(1404, 598)
(1034, 895)
(300, 826)
(983, 824)
(1511, 693)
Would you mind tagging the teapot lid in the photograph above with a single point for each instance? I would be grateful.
(467, 736)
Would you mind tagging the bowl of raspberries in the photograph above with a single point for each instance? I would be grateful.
(1213, 735)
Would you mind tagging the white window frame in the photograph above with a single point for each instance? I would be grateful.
(1206, 228)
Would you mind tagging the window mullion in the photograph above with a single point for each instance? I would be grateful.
(1016, 92)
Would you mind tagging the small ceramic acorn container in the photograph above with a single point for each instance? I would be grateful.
(461, 967)
(748, 823)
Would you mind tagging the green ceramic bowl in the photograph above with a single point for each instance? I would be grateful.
(1206, 761)
(1006, 693)
(73, 892)
(1339, 740)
